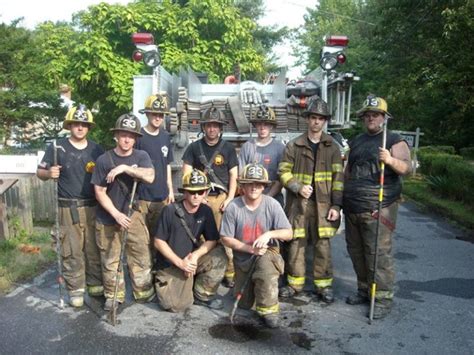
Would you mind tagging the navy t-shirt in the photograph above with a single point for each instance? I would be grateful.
(225, 160)
(170, 229)
(77, 164)
(161, 153)
(119, 191)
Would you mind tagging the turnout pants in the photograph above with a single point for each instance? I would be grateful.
(79, 252)
(151, 212)
(322, 258)
(176, 292)
(137, 251)
(262, 289)
(215, 201)
(361, 231)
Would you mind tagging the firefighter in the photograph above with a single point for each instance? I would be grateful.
(76, 158)
(188, 269)
(155, 140)
(113, 179)
(361, 197)
(264, 150)
(252, 225)
(311, 171)
(218, 159)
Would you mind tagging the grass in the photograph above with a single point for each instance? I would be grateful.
(418, 189)
(23, 256)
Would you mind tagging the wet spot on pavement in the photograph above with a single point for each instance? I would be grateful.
(239, 333)
(405, 256)
(296, 324)
(302, 340)
(454, 287)
(424, 337)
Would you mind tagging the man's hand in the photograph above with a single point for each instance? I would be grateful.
(170, 198)
(123, 220)
(306, 191)
(224, 204)
(385, 156)
(188, 265)
(55, 171)
(333, 215)
(262, 241)
(114, 172)
(259, 251)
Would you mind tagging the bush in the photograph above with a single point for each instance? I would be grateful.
(447, 149)
(435, 163)
(467, 153)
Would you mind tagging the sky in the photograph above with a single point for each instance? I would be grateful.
(280, 12)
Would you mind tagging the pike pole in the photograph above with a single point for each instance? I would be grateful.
(242, 289)
(373, 288)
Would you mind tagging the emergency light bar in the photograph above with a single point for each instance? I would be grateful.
(334, 40)
(142, 38)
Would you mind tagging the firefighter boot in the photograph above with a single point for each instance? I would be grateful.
(382, 308)
(109, 303)
(287, 292)
(211, 304)
(271, 320)
(76, 301)
(357, 298)
(325, 294)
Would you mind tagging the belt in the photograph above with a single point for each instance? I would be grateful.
(66, 202)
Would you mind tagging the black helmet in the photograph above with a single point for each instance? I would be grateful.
(128, 123)
(317, 106)
(213, 114)
(264, 114)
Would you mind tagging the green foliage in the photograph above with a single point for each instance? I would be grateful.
(467, 153)
(447, 149)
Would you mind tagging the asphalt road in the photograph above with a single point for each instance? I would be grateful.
(433, 314)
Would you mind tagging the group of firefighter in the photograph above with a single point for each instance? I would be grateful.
(226, 228)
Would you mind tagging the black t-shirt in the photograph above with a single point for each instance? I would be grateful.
(77, 164)
(225, 160)
(119, 191)
(314, 148)
(161, 153)
(170, 229)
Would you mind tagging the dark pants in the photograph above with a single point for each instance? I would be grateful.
(361, 231)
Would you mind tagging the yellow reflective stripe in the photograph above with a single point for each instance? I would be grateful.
(285, 166)
(285, 177)
(337, 186)
(295, 280)
(322, 283)
(268, 310)
(326, 231)
(323, 176)
(336, 168)
(229, 275)
(305, 179)
(299, 233)
(95, 290)
(383, 294)
(143, 295)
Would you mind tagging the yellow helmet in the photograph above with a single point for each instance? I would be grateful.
(158, 103)
(195, 180)
(254, 173)
(78, 113)
(373, 103)
(264, 114)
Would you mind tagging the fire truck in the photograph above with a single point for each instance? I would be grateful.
(191, 95)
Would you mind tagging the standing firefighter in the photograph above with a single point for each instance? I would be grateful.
(218, 159)
(113, 179)
(188, 270)
(155, 140)
(264, 150)
(251, 226)
(361, 198)
(311, 171)
(77, 204)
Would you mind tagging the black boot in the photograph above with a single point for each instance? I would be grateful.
(382, 308)
(357, 298)
(326, 295)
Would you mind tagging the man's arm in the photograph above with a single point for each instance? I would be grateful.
(51, 173)
(275, 189)
(108, 205)
(188, 265)
(187, 168)
(146, 175)
(232, 187)
(169, 182)
(398, 158)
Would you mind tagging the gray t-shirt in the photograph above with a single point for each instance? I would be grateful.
(245, 225)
